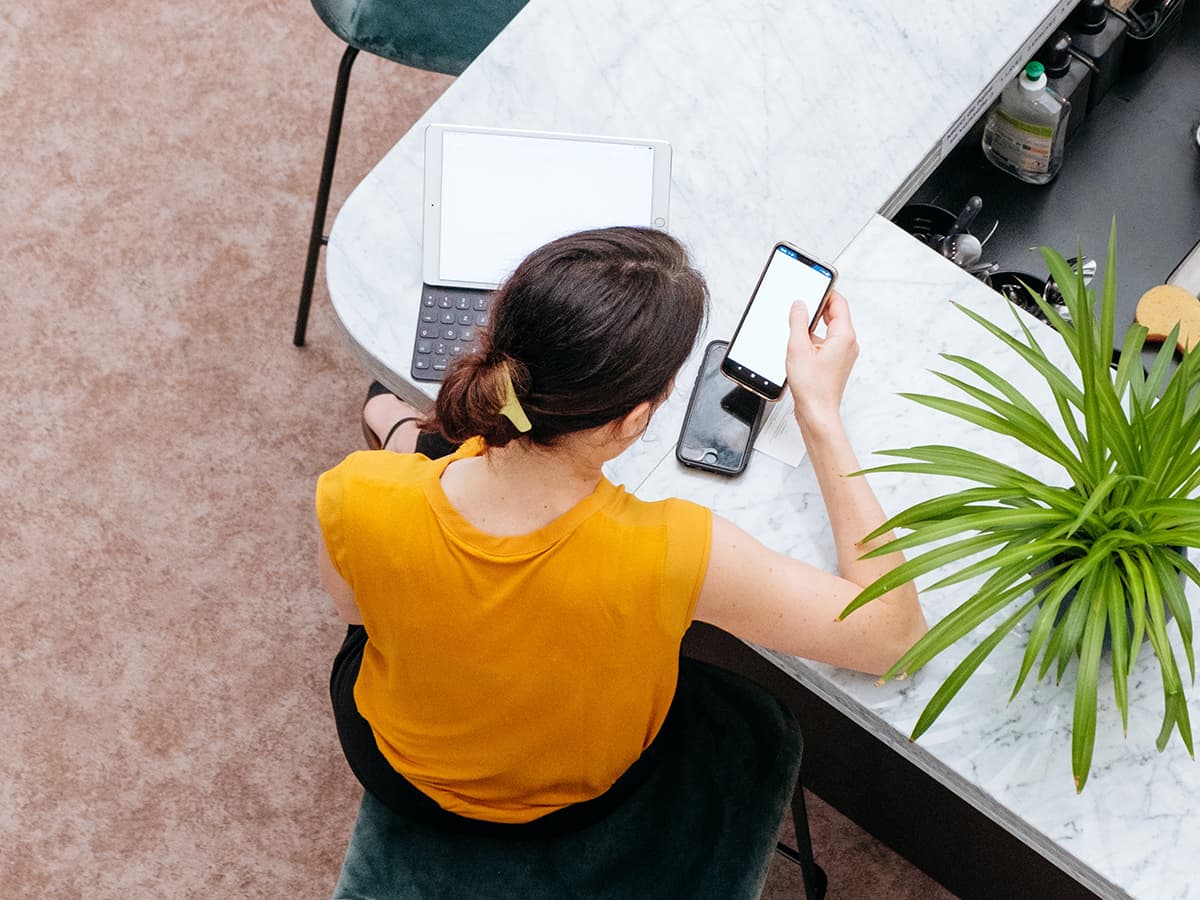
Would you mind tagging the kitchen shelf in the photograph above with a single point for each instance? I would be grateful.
(1134, 157)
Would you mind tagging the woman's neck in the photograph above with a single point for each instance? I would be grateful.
(520, 488)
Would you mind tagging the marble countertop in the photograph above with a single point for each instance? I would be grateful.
(1132, 825)
(803, 121)
(795, 120)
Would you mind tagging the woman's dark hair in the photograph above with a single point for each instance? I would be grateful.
(587, 327)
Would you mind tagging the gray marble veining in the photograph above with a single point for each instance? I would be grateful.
(800, 120)
(787, 119)
(1132, 824)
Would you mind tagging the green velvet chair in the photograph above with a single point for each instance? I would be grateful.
(436, 35)
(702, 826)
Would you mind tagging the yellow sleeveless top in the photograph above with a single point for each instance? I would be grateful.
(507, 677)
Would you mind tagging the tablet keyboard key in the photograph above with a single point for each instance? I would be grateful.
(449, 328)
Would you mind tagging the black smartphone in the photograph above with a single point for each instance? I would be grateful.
(757, 353)
(722, 419)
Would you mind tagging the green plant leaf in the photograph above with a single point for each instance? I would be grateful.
(1034, 356)
(1172, 590)
(1111, 588)
(1048, 544)
(1099, 495)
(1031, 429)
(1064, 643)
(1135, 598)
(956, 679)
(919, 565)
(1158, 368)
(1131, 351)
(1172, 684)
(1108, 295)
(946, 506)
(957, 624)
(987, 519)
(1083, 727)
(1063, 401)
(958, 462)
(994, 380)
(1058, 581)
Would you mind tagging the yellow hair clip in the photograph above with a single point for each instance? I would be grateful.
(511, 408)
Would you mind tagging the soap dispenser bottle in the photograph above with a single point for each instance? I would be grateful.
(1026, 130)
(1100, 36)
(1067, 75)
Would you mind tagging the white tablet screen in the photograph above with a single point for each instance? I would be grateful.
(506, 195)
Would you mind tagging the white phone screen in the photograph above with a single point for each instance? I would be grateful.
(760, 344)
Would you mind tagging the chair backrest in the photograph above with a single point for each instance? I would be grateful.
(443, 36)
(702, 825)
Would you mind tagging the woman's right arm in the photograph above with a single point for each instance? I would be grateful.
(788, 605)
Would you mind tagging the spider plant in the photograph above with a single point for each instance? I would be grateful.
(1096, 560)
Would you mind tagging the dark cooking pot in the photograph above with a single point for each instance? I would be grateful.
(926, 222)
(1009, 285)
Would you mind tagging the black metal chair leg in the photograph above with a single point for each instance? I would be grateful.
(317, 237)
(815, 882)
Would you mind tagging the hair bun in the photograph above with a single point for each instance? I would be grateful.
(472, 394)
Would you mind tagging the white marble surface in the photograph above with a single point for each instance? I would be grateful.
(788, 119)
(800, 120)
(1133, 824)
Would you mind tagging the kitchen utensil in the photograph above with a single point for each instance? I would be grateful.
(1052, 292)
(961, 249)
(1089, 268)
(926, 222)
(982, 270)
(973, 205)
(968, 249)
(1011, 285)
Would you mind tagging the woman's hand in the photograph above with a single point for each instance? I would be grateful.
(818, 368)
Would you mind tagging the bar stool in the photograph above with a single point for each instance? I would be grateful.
(443, 36)
(702, 825)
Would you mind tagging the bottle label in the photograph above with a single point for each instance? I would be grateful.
(1025, 145)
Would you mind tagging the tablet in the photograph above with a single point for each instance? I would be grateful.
(494, 195)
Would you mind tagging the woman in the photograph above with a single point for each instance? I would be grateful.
(524, 614)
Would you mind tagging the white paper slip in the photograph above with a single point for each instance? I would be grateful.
(779, 436)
